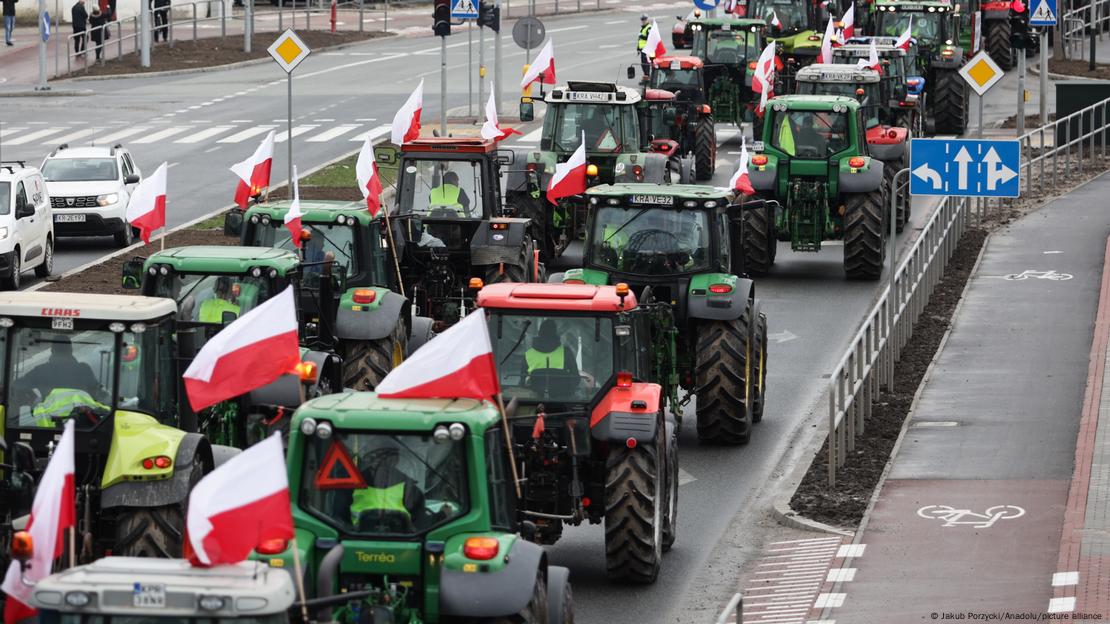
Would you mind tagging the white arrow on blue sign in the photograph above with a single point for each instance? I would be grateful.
(965, 168)
(1044, 13)
(464, 9)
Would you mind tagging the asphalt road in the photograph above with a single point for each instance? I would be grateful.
(813, 311)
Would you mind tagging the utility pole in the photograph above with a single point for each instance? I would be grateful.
(441, 27)
(1044, 76)
(144, 33)
(248, 23)
(44, 34)
(481, 65)
(1021, 92)
(497, 56)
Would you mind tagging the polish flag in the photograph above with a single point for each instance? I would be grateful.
(52, 512)
(457, 364)
(542, 69)
(763, 78)
(146, 209)
(491, 130)
(294, 214)
(254, 172)
(740, 180)
(775, 19)
(569, 177)
(872, 60)
(406, 123)
(654, 46)
(256, 349)
(369, 182)
(827, 42)
(848, 23)
(239, 506)
(903, 40)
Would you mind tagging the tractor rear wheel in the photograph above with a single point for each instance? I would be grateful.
(155, 531)
(759, 240)
(523, 270)
(670, 511)
(535, 208)
(998, 43)
(705, 148)
(759, 385)
(723, 376)
(535, 612)
(863, 235)
(949, 102)
(367, 362)
(635, 487)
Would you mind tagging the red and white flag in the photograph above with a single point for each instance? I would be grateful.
(741, 181)
(254, 172)
(146, 209)
(872, 60)
(570, 176)
(254, 350)
(239, 506)
(654, 48)
(294, 214)
(457, 364)
(406, 123)
(904, 39)
(775, 19)
(848, 23)
(763, 78)
(369, 182)
(492, 130)
(827, 42)
(52, 512)
(542, 69)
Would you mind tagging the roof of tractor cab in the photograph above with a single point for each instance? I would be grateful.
(916, 5)
(450, 144)
(685, 191)
(715, 23)
(863, 50)
(812, 102)
(225, 259)
(315, 210)
(684, 62)
(85, 306)
(592, 93)
(560, 297)
(364, 410)
(830, 72)
(658, 95)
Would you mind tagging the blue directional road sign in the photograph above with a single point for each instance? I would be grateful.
(464, 9)
(706, 5)
(1044, 13)
(964, 167)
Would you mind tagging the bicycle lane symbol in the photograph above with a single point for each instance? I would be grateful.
(1051, 276)
(953, 517)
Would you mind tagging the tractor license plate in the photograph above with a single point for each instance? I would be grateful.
(148, 595)
(69, 218)
(657, 200)
(64, 324)
(587, 96)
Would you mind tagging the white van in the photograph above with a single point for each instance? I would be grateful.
(26, 224)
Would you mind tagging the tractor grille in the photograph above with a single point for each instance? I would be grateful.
(88, 201)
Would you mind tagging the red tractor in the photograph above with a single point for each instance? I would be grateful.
(679, 110)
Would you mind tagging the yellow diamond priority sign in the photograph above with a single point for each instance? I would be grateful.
(981, 72)
(288, 50)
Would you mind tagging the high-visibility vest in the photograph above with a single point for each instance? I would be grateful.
(446, 196)
(614, 236)
(212, 310)
(60, 403)
(644, 30)
(539, 360)
(390, 498)
(786, 136)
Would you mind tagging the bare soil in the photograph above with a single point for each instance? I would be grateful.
(1079, 68)
(1031, 121)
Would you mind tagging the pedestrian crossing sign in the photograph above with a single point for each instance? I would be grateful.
(1044, 13)
(288, 50)
(464, 9)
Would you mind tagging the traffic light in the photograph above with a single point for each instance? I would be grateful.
(1021, 38)
(489, 15)
(441, 18)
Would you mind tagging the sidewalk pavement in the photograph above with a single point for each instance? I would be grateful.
(991, 508)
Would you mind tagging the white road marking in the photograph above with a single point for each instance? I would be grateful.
(685, 477)
(73, 136)
(841, 575)
(115, 136)
(531, 137)
(850, 550)
(555, 30)
(808, 541)
(204, 134)
(1060, 579)
(610, 23)
(242, 121)
(373, 134)
(162, 134)
(246, 134)
(34, 136)
(212, 149)
(283, 136)
(333, 133)
(172, 165)
(1061, 605)
(829, 600)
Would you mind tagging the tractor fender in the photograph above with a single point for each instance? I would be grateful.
(493, 594)
(377, 322)
(719, 307)
(687, 176)
(655, 168)
(627, 413)
(166, 491)
(863, 180)
(285, 391)
(420, 335)
(221, 453)
(490, 246)
(558, 585)
(887, 152)
(765, 179)
(997, 14)
(329, 367)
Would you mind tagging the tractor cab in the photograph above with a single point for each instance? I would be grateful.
(729, 48)
(681, 75)
(934, 26)
(862, 83)
(676, 115)
(799, 29)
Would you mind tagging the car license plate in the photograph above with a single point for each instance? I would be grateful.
(658, 200)
(69, 218)
(64, 324)
(149, 595)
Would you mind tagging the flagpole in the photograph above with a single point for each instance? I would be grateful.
(299, 577)
(508, 443)
(72, 546)
(392, 247)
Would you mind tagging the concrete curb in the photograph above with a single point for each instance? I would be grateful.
(781, 509)
(1034, 69)
(47, 93)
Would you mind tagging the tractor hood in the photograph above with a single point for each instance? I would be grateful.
(137, 437)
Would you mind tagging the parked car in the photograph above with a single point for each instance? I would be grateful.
(89, 189)
(26, 227)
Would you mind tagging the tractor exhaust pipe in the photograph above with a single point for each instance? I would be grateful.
(325, 578)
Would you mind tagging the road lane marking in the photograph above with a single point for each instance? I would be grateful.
(204, 134)
(73, 136)
(1061, 579)
(328, 135)
(850, 550)
(239, 137)
(162, 134)
(373, 134)
(841, 575)
(34, 136)
(283, 136)
(115, 136)
(829, 600)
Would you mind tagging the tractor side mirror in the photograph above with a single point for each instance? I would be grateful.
(386, 154)
(527, 109)
(631, 73)
(233, 223)
(505, 157)
(228, 317)
(133, 273)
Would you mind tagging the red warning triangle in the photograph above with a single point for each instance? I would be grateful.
(338, 471)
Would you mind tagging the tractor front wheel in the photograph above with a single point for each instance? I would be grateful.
(759, 240)
(367, 362)
(635, 488)
(863, 235)
(705, 148)
(723, 376)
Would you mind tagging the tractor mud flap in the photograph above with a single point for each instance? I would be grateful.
(887, 152)
(370, 324)
(221, 453)
(421, 334)
(620, 426)
(763, 180)
(718, 308)
(285, 391)
(165, 492)
(493, 594)
(863, 181)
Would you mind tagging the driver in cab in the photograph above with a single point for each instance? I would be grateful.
(548, 354)
(449, 196)
(223, 302)
(59, 402)
(390, 499)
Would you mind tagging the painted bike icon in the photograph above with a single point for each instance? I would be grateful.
(953, 517)
(1045, 275)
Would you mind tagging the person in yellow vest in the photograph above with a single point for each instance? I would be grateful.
(449, 196)
(390, 499)
(548, 353)
(213, 310)
(78, 382)
(641, 43)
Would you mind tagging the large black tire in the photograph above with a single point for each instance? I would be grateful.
(949, 101)
(759, 240)
(705, 148)
(759, 384)
(633, 511)
(506, 273)
(901, 213)
(15, 280)
(155, 531)
(723, 378)
(535, 208)
(998, 43)
(670, 511)
(125, 236)
(367, 362)
(863, 235)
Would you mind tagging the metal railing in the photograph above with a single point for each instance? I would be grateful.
(1063, 145)
(1076, 25)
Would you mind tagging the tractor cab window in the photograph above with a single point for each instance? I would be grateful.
(810, 134)
(871, 101)
(502, 498)
(728, 47)
(215, 299)
(384, 484)
(674, 79)
(609, 128)
(650, 241)
(541, 358)
(791, 15)
(926, 26)
(442, 189)
(329, 241)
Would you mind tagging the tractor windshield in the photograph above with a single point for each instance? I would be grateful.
(674, 79)
(552, 357)
(727, 47)
(609, 128)
(330, 241)
(384, 484)
(442, 188)
(650, 241)
(926, 26)
(810, 134)
(870, 100)
(792, 15)
(217, 299)
(58, 374)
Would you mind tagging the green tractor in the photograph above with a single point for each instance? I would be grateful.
(106, 363)
(405, 512)
(681, 244)
(213, 286)
(904, 92)
(942, 41)
(800, 30)
(592, 370)
(346, 253)
(728, 48)
(815, 163)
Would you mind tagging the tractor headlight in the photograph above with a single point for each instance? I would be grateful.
(256, 272)
(6, 322)
(117, 327)
(441, 434)
(711, 204)
(323, 430)
(457, 431)
(138, 328)
(308, 426)
(78, 599)
(265, 220)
